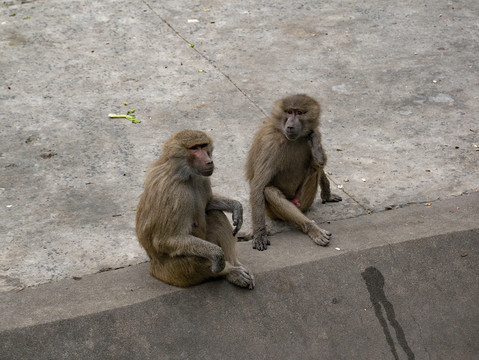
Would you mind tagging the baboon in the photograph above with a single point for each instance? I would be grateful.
(181, 224)
(284, 167)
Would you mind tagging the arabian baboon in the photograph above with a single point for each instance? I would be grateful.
(284, 168)
(181, 224)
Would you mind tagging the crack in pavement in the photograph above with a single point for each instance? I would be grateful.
(207, 59)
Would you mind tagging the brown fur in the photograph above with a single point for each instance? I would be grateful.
(181, 224)
(280, 170)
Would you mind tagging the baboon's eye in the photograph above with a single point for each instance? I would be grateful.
(198, 147)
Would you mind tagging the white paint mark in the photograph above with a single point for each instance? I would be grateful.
(441, 98)
(340, 89)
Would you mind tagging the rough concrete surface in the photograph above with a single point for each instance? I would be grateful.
(399, 88)
(398, 84)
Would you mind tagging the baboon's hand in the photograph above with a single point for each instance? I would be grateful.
(260, 241)
(237, 217)
(218, 263)
(331, 198)
(316, 148)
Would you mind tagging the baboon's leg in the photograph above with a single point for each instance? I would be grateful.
(181, 271)
(186, 271)
(285, 210)
(220, 232)
(307, 192)
(191, 270)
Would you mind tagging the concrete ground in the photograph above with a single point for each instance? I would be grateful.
(399, 88)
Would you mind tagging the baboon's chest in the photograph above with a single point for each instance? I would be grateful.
(296, 161)
(198, 214)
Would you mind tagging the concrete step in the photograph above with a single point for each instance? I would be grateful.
(388, 292)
